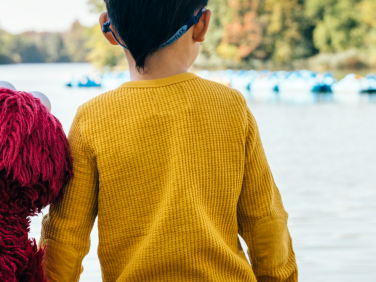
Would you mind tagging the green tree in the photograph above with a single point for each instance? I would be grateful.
(45, 47)
(339, 25)
(367, 9)
(286, 31)
(55, 51)
(268, 29)
(26, 45)
(8, 44)
(102, 52)
(76, 42)
(221, 14)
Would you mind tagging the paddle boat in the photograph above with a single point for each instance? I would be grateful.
(268, 81)
(372, 82)
(243, 79)
(93, 80)
(300, 81)
(326, 81)
(351, 83)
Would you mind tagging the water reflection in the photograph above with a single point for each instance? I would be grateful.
(298, 97)
(372, 98)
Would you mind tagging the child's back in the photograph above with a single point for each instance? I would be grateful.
(175, 169)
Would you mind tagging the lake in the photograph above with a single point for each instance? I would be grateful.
(322, 152)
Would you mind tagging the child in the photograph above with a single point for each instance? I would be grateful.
(172, 165)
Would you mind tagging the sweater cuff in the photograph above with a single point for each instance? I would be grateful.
(59, 261)
(292, 278)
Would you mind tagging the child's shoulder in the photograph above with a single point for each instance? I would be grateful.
(224, 89)
(105, 99)
(101, 103)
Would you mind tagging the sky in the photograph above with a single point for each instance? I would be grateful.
(43, 15)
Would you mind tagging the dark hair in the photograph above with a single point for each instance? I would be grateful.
(143, 25)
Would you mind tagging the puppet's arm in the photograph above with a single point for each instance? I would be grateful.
(66, 228)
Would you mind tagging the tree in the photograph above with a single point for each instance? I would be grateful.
(244, 33)
(102, 52)
(7, 55)
(339, 25)
(76, 42)
(268, 29)
(28, 49)
(221, 14)
(287, 33)
(45, 47)
(367, 10)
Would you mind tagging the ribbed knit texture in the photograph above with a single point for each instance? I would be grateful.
(174, 169)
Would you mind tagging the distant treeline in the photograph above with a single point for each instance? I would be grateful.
(326, 34)
(45, 47)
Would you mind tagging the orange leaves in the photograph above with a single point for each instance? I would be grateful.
(244, 32)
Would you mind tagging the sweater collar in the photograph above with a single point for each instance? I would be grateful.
(160, 82)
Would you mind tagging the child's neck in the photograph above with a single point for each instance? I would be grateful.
(163, 64)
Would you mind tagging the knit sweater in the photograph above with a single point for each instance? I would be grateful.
(174, 169)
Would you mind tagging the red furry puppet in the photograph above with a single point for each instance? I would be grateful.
(34, 165)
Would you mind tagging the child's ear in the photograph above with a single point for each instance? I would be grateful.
(103, 18)
(201, 28)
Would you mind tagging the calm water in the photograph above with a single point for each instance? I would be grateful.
(322, 151)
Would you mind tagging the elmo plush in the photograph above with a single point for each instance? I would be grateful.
(34, 166)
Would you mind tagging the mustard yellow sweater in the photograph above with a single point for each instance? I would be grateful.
(174, 169)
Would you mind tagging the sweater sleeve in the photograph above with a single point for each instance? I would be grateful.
(262, 218)
(66, 228)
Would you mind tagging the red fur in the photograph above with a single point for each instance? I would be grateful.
(33, 145)
(34, 165)
(33, 272)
